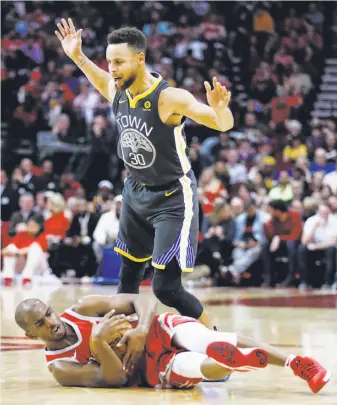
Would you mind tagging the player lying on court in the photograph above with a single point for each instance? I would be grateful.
(166, 350)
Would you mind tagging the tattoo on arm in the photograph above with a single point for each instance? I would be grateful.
(82, 62)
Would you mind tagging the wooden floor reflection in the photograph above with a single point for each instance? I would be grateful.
(303, 323)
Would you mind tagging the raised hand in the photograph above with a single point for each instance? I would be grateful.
(70, 39)
(219, 97)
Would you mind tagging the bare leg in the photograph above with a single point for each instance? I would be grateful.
(195, 337)
(204, 319)
(275, 356)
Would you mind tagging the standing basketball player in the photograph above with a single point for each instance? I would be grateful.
(159, 215)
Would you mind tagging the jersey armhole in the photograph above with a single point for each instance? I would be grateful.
(163, 86)
(116, 101)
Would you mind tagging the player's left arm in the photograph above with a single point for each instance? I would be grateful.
(99, 305)
(216, 115)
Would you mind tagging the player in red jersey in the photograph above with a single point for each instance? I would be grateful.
(166, 350)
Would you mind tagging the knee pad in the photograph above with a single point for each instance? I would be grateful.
(166, 294)
(130, 276)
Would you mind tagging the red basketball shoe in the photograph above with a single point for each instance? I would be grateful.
(8, 281)
(237, 359)
(310, 370)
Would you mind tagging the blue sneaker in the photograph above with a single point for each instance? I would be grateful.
(221, 379)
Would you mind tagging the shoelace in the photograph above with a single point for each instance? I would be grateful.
(309, 370)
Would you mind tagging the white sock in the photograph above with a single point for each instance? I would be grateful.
(290, 358)
(188, 364)
(195, 337)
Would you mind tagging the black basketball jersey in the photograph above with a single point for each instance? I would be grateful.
(153, 153)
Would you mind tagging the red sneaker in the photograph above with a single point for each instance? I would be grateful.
(8, 281)
(26, 281)
(237, 359)
(310, 370)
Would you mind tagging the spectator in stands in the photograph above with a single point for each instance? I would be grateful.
(330, 144)
(299, 82)
(309, 208)
(48, 180)
(316, 139)
(294, 150)
(30, 179)
(316, 183)
(9, 198)
(28, 250)
(248, 240)
(69, 186)
(19, 219)
(100, 152)
(217, 245)
(212, 188)
(333, 205)
(41, 204)
(320, 162)
(57, 224)
(61, 130)
(17, 181)
(283, 232)
(237, 171)
(104, 196)
(78, 250)
(107, 228)
(283, 191)
(319, 240)
(237, 206)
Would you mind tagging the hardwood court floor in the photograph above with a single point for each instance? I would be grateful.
(303, 323)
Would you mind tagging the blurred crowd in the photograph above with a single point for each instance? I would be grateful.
(267, 189)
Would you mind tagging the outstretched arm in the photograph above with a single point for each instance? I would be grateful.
(71, 42)
(99, 305)
(216, 115)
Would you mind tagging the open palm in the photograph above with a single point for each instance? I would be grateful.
(219, 97)
(70, 39)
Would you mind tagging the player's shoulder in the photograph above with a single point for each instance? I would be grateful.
(172, 95)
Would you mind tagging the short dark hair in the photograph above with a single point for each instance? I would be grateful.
(279, 205)
(129, 35)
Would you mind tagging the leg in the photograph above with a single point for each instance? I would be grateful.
(330, 254)
(292, 248)
(245, 258)
(304, 255)
(9, 263)
(131, 275)
(168, 289)
(192, 368)
(268, 278)
(36, 262)
(135, 244)
(254, 354)
(175, 246)
(205, 337)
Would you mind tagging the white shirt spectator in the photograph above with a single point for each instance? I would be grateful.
(325, 232)
(330, 180)
(237, 173)
(108, 226)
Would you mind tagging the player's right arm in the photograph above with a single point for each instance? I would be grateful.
(109, 373)
(71, 42)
